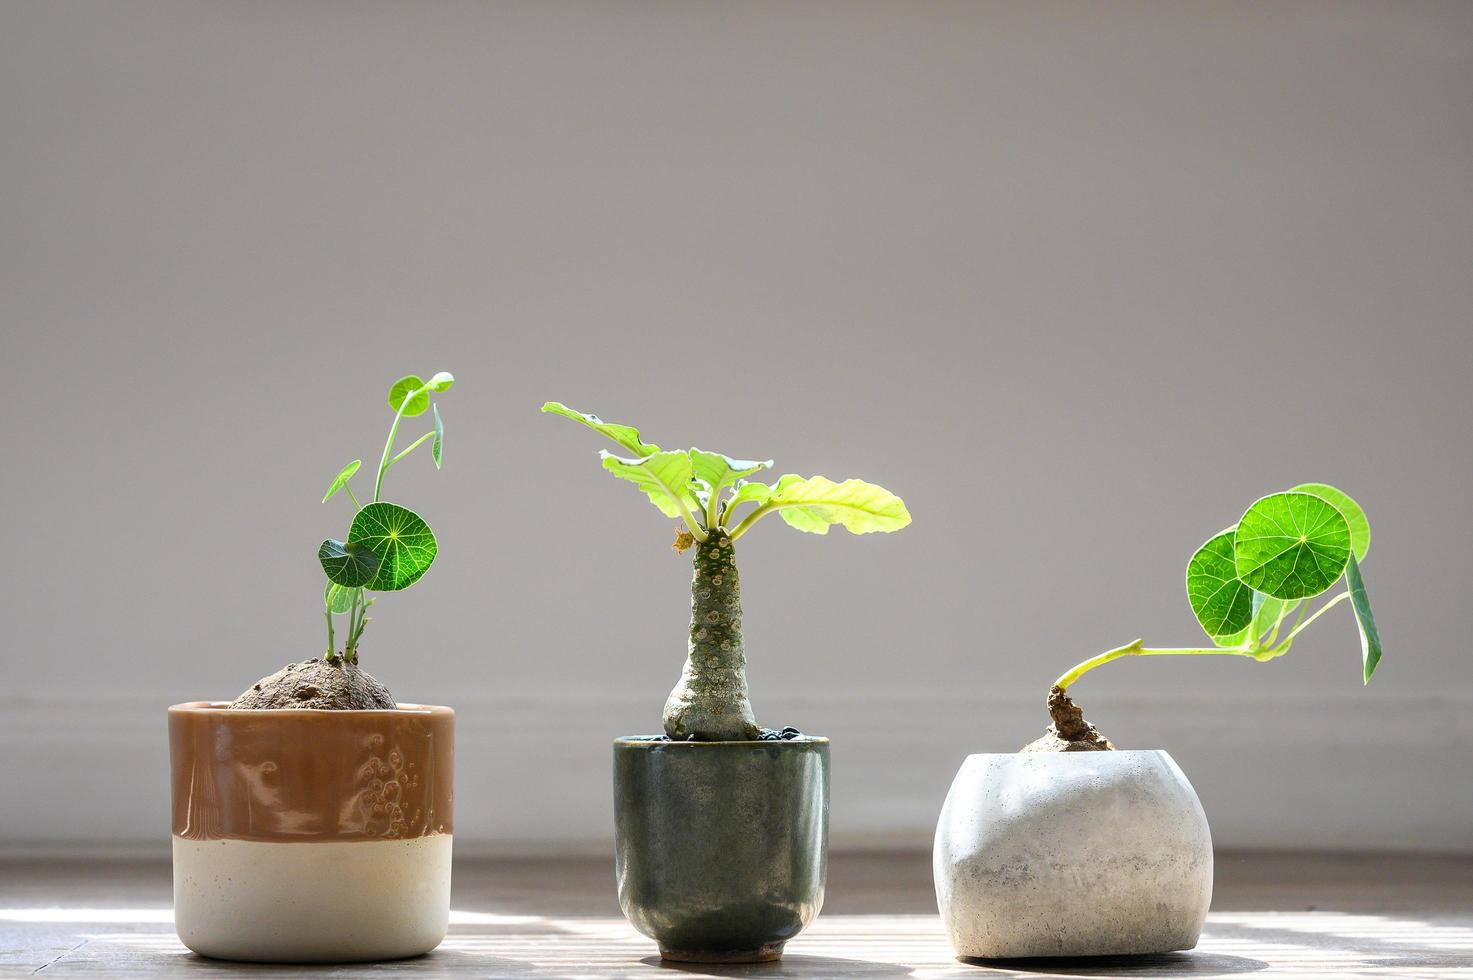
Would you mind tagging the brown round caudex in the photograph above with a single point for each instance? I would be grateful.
(334, 685)
(1069, 732)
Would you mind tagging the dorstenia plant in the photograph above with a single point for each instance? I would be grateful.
(706, 491)
(1245, 581)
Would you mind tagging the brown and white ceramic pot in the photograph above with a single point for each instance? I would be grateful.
(311, 836)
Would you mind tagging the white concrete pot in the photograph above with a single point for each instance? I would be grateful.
(1072, 854)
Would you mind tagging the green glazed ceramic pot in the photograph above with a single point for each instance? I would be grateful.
(721, 848)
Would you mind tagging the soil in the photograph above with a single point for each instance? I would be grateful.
(763, 735)
(334, 685)
(1069, 732)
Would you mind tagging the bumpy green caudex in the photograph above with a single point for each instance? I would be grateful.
(1244, 581)
(388, 547)
(703, 490)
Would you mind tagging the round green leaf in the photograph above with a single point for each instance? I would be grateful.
(1360, 528)
(1292, 545)
(1221, 601)
(348, 564)
(401, 390)
(341, 480)
(402, 540)
(442, 381)
(340, 599)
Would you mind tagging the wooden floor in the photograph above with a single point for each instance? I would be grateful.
(1273, 916)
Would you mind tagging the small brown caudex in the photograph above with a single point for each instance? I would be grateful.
(335, 685)
(1069, 732)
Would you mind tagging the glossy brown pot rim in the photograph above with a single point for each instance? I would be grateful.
(655, 742)
(224, 708)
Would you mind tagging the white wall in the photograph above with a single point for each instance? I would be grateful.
(1078, 281)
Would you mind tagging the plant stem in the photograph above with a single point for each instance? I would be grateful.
(751, 519)
(383, 463)
(709, 702)
(405, 452)
(327, 610)
(1320, 612)
(351, 497)
(1137, 649)
(713, 510)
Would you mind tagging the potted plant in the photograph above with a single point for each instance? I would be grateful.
(721, 826)
(1073, 848)
(312, 815)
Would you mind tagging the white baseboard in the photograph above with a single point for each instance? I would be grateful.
(1362, 774)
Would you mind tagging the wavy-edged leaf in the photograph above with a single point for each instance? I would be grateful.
(1370, 637)
(718, 472)
(1360, 528)
(348, 563)
(814, 504)
(437, 447)
(402, 389)
(625, 435)
(1292, 545)
(1222, 602)
(404, 543)
(341, 480)
(339, 599)
(663, 476)
(442, 381)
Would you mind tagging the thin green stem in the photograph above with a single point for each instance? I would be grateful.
(713, 509)
(351, 497)
(752, 518)
(327, 610)
(411, 448)
(383, 464)
(685, 514)
(1137, 649)
(1300, 627)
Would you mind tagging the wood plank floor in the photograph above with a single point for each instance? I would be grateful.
(1273, 916)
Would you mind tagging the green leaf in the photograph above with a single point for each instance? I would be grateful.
(663, 476)
(1292, 545)
(1370, 637)
(1222, 603)
(402, 389)
(437, 447)
(340, 598)
(815, 503)
(625, 435)
(442, 381)
(402, 540)
(718, 472)
(749, 491)
(341, 480)
(1360, 528)
(349, 564)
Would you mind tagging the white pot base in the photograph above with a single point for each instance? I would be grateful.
(1072, 854)
(312, 902)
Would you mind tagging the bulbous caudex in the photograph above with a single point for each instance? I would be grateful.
(709, 702)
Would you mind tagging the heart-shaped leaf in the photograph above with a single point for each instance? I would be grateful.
(437, 447)
(350, 564)
(1222, 603)
(1292, 545)
(1370, 637)
(400, 538)
(1360, 528)
(341, 480)
(404, 388)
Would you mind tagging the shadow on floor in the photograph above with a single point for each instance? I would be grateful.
(792, 965)
(1156, 965)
